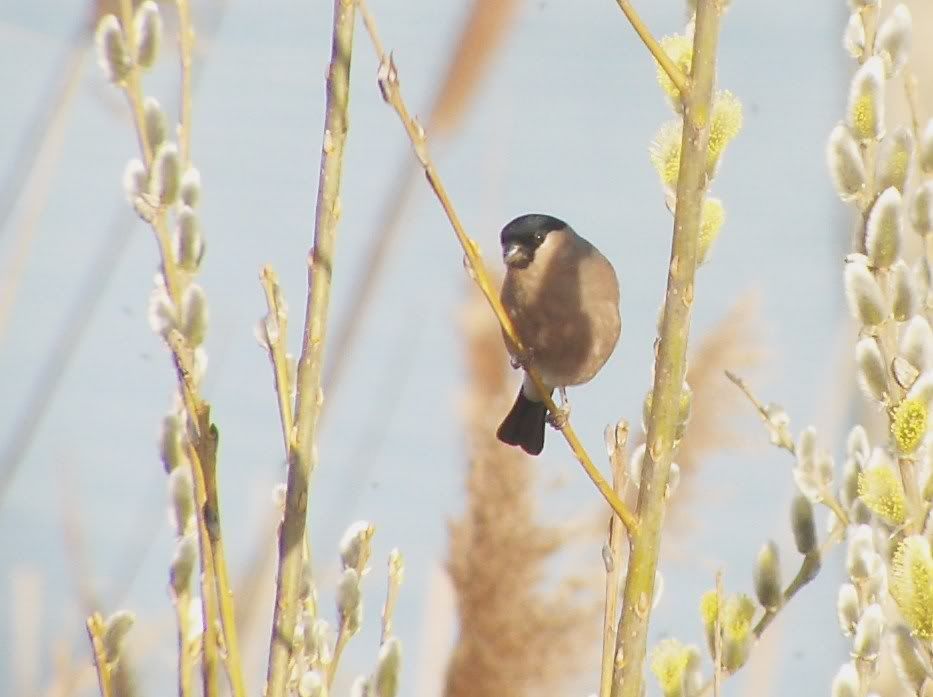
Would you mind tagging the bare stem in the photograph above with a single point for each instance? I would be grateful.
(613, 560)
(95, 632)
(389, 84)
(780, 435)
(915, 504)
(185, 662)
(302, 455)
(185, 51)
(202, 453)
(670, 364)
(343, 636)
(396, 573)
(681, 81)
(132, 87)
(277, 350)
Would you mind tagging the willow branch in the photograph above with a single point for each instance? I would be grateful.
(670, 364)
(217, 594)
(681, 81)
(809, 568)
(612, 556)
(302, 456)
(780, 436)
(185, 52)
(391, 93)
(95, 632)
(185, 662)
(276, 323)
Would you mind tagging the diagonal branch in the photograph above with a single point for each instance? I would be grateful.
(681, 81)
(389, 84)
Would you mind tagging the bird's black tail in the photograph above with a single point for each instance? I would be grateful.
(524, 425)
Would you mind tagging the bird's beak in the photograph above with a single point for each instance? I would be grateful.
(515, 255)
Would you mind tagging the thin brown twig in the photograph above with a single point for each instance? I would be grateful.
(780, 436)
(302, 456)
(391, 93)
(396, 572)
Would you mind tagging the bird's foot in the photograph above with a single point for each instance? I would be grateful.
(558, 419)
(523, 359)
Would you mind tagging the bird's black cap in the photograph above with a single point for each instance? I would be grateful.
(530, 229)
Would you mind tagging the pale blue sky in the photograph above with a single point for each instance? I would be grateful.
(561, 126)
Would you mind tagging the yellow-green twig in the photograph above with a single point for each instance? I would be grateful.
(185, 662)
(308, 398)
(185, 51)
(681, 81)
(613, 560)
(202, 452)
(277, 352)
(670, 364)
(389, 84)
(95, 632)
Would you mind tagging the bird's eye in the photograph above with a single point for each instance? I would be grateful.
(539, 237)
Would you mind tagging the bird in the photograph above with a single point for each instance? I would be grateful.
(562, 296)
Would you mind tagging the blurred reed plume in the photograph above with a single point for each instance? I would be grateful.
(514, 638)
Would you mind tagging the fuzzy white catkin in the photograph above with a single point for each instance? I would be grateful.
(883, 230)
(845, 163)
(894, 38)
(867, 641)
(846, 682)
(116, 628)
(864, 295)
(349, 600)
(894, 159)
(853, 40)
(355, 545)
(860, 553)
(312, 684)
(134, 179)
(767, 577)
(388, 667)
(922, 389)
(909, 663)
(181, 490)
(163, 185)
(182, 568)
(865, 111)
(111, 48)
(847, 608)
(916, 343)
(906, 300)
(189, 247)
(194, 315)
(190, 188)
(156, 124)
(925, 152)
(871, 372)
(921, 208)
(148, 24)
